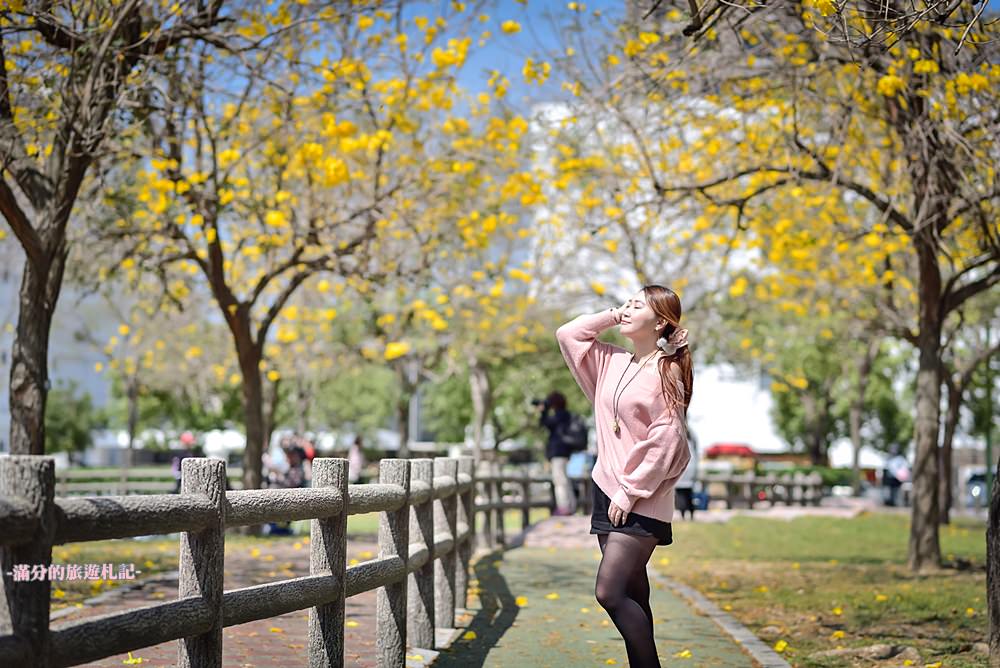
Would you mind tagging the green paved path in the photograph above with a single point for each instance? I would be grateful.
(558, 622)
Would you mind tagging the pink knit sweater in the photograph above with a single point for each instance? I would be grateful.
(638, 467)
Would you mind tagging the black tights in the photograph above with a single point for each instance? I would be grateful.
(623, 590)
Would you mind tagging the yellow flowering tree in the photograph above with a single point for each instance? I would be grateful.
(458, 305)
(884, 21)
(333, 153)
(72, 75)
(897, 140)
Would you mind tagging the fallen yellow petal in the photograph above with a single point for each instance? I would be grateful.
(683, 654)
(351, 623)
(521, 601)
(611, 662)
(275, 629)
(552, 596)
(469, 635)
(780, 646)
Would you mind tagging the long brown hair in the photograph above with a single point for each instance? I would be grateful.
(667, 305)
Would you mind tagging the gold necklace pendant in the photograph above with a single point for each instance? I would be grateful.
(615, 425)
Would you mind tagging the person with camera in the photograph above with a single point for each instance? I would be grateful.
(554, 417)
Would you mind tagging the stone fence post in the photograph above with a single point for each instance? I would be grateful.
(466, 516)
(202, 561)
(444, 570)
(24, 605)
(328, 552)
(420, 613)
(393, 541)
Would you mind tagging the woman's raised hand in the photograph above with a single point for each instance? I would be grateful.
(620, 311)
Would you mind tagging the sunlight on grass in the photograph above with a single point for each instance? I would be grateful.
(822, 583)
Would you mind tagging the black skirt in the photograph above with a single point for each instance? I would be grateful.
(637, 525)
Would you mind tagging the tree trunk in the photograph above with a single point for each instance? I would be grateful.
(29, 368)
(855, 426)
(270, 410)
(479, 385)
(253, 412)
(302, 406)
(132, 396)
(815, 438)
(993, 570)
(857, 411)
(403, 415)
(924, 548)
(945, 460)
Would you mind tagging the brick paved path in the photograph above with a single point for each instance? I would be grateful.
(268, 643)
(558, 622)
(536, 607)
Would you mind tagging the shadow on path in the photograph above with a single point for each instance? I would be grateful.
(496, 615)
(536, 607)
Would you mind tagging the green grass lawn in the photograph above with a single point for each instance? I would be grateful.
(826, 583)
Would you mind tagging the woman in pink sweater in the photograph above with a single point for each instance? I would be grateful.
(640, 402)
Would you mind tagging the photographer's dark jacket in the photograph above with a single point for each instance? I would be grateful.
(553, 420)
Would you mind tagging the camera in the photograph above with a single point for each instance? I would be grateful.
(539, 402)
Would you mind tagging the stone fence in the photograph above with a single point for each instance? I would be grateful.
(426, 531)
(789, 488)
(80, 481)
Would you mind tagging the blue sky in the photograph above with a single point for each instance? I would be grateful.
(506, 52)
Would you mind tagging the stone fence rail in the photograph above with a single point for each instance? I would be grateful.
(426, 531)
(789, 488)
(81, 481)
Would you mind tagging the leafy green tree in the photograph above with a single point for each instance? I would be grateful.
(70, 417)
(358, 396)
(177, 408)
(514, 381)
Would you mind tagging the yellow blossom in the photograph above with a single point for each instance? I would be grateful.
(396, 349)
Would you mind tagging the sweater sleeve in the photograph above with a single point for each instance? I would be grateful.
(585, 355)
(661, 456)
